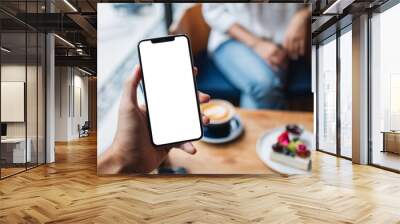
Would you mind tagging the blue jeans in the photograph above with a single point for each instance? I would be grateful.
(260, 85)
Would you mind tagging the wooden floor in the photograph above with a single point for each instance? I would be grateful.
(11, 170)
(70, 192)
(8, 171)
(386, 159)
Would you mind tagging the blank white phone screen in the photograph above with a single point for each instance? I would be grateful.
(170, 91)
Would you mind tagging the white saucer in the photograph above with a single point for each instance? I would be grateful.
(264, 149)
(236, 130)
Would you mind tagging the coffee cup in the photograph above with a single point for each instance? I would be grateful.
(220, 113)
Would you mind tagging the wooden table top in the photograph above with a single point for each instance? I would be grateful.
(239, 156)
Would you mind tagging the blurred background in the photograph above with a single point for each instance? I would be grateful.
(120, 27)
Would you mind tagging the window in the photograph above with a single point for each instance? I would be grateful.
(22, 88)
(327, 96)
(345, 42)
(385, 89)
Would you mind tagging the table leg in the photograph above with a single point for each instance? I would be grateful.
(384, 142)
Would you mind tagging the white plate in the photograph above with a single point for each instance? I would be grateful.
(235, 133)
(264, 149)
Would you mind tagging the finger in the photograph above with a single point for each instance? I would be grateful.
(203, 97)
(285, 43)
(143, 108)
(205, 119)
(188, 148)
(195, 71)
(279, 58)
(130, 87)
(302, 48)
(273, 63)
(295, 53)
(137, 76)
(137, 73)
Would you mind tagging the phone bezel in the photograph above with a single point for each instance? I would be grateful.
(161, 40)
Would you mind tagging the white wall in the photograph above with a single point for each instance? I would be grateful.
(70, 83)
(33, 126)
(62, 81)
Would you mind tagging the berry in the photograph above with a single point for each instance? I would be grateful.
(294, 129)
(302, 151)
(283, 138)
(277, 148)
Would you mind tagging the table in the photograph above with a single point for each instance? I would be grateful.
(240, 156)
(391, 141)
(16, 153)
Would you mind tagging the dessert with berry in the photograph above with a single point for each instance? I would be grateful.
(290, 150)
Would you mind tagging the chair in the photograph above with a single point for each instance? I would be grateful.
(212, 81)
(84, 130)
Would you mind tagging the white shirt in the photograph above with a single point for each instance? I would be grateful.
(266, 20)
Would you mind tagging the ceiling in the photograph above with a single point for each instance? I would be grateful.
(76, 22)
(73, 21)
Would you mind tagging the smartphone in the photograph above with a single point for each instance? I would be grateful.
(169, 90)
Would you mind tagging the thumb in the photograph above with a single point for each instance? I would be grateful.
(137, 76)
(131, 84)
(188, 148)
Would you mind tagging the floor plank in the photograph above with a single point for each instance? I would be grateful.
(69, 191)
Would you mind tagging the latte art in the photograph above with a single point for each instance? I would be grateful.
(218, 111)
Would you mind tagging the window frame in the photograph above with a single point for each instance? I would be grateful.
(347, 27)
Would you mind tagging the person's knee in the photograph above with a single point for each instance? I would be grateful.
(263, 88)
(274, 103)
(246, 70)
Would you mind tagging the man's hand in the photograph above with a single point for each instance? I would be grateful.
(131, 150)
(274, 55)
(295, 38)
